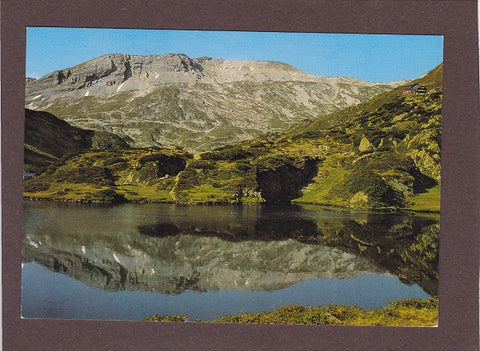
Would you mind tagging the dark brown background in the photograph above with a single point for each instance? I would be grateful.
(460, 215)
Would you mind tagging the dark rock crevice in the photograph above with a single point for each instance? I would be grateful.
(127, 73)
(421, 181)
(284, 181)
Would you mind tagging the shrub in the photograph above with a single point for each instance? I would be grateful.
(375, 136)
(270, 163)
(243, 165)
(232, 154)
(371, 184)
(157, 156)
(96, 175)
(110, 195)
(202, 164)
(113, 160)
(166, 318)
(36, 184)
(147, 172)
(187, 179)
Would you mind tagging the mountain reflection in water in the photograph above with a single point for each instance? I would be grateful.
(170, 249)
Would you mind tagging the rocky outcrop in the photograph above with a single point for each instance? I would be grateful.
(281, 179)
(112, 73)
(365, 145)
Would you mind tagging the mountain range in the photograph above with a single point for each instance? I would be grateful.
(172, 100)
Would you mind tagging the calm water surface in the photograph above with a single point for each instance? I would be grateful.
(130, 261)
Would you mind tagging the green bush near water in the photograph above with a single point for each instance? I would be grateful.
(371, 184)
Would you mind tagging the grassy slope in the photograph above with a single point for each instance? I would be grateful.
(49, 140)
(404, 150)
(402, 138)
(428, 201)
(410, 312)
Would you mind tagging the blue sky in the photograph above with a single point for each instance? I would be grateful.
(371, 57)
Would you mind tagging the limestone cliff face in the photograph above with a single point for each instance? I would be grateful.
(109, 74)
(112, 73)
(196, 103)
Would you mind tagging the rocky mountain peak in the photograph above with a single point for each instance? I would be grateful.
(112, 73)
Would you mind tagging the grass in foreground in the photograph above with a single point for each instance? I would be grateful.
(428, 201)
(409, 312)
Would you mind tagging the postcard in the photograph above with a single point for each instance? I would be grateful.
(240, 175)
(249, 177)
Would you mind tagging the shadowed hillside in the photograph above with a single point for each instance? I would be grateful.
(49, 139)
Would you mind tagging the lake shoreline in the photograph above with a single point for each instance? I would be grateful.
(219, 203)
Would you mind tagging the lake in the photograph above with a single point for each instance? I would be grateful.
(130, 261)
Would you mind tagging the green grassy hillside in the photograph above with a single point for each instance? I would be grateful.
(384, 153)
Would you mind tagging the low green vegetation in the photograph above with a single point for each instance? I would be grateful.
(139, 192)
(138, 175)
(409, 312)
(166, 318)
(427, 201)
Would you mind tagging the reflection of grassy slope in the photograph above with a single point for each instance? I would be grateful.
(407, 248)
